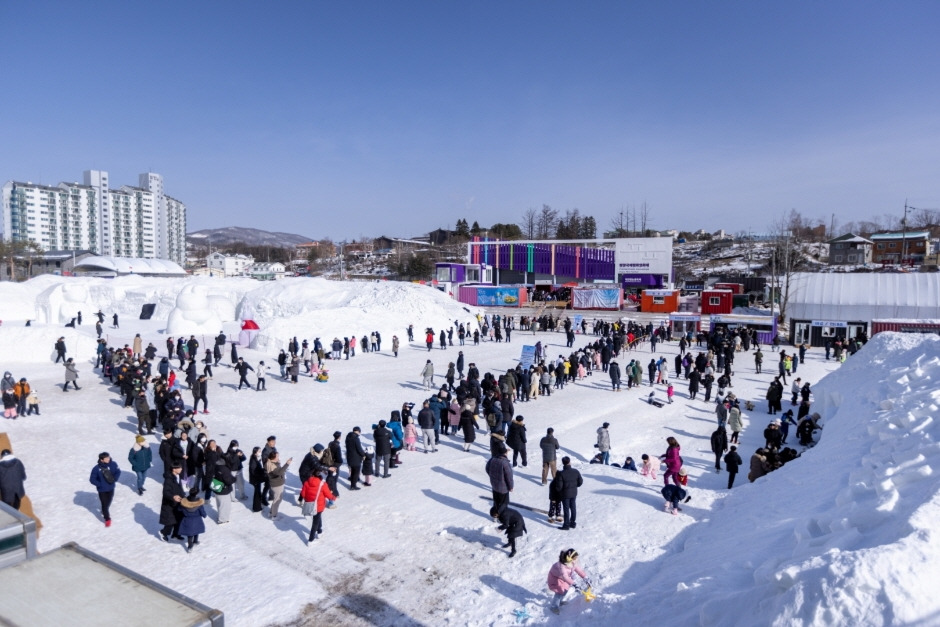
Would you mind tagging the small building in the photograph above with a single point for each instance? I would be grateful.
(765, 327)
(659, 301)
(826, 306)
(849, 250)
(717, 302)
(230, 265)
(267, 271)
(60, 262)
(736, 288)
(683, 323)
(900, 248)
(110, 267)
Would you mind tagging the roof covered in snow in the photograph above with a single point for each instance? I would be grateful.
(864, 296)
(119, 266)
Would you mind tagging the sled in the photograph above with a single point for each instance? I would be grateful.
(588, 594)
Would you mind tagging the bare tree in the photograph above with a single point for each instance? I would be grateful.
(546, 223)
(529, 223)
(620, 224)
(644, 219)
(787, 257)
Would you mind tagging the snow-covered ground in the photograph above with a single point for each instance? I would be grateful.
(841, 536)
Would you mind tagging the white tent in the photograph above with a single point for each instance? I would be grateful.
(864, 296)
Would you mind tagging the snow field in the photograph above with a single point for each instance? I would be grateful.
(840, 536)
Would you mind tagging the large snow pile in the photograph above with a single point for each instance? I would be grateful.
(843, 536)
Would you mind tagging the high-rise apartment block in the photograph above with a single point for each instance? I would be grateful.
(127, 221)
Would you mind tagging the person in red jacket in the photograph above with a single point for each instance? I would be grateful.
(315, 494)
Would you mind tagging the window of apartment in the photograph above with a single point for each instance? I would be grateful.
(881, 246)
(853, 258)
(838, 259)
(891, 244)
(714, 300)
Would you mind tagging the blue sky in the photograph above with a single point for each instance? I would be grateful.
(358, 119)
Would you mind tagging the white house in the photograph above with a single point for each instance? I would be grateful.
(267, 271)
(229, 265)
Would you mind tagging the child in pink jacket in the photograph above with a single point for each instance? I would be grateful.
(647, 469)
(560, 577)
(411, 435)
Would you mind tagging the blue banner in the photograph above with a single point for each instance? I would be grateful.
(528, 356)
(498, 297)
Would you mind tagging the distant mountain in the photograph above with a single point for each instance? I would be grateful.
(252, 237)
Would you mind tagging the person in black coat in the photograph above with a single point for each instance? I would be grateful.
(469, 432)
(354, 456)
(173, 493)
(516, 440)
(382, 437)
(569, 481)
(242, 367)
(200, 393)
(733, 461)
(12, 478)
(257, 477)
(719, 442)
(212, 455)
(512, 522)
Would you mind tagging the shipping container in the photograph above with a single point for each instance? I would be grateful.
(906, 326)
(659, 301)
(737, 288)
(717, 301)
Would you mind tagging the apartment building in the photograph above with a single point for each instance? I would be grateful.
(127, 221)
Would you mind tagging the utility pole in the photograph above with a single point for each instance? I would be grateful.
(904, 234)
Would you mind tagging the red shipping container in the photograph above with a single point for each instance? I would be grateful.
(736, 288)
(717, 301)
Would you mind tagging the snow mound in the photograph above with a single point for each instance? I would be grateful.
(842, 536)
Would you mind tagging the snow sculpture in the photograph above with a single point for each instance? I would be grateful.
(192, 313)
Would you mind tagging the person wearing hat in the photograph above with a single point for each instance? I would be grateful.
(569, 480)
(516, 440)
(141, 459)
(104, 477)
(382, 436)
(173, 493)
(773, 436)
(549, 446)
(603, 443)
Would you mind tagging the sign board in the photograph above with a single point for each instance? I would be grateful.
(735, 319)
(528, 356)
(685, 317)
(644, 255)
(498, 297)
(829, 323)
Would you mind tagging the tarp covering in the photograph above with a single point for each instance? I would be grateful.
(597, 298)
(864, 297)
(146, 311)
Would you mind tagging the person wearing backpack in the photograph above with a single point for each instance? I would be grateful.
(104, 477)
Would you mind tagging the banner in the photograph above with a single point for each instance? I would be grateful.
(528, 357)
(596, 298)
(498, 297)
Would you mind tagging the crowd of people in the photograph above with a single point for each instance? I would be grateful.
(467, 404)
